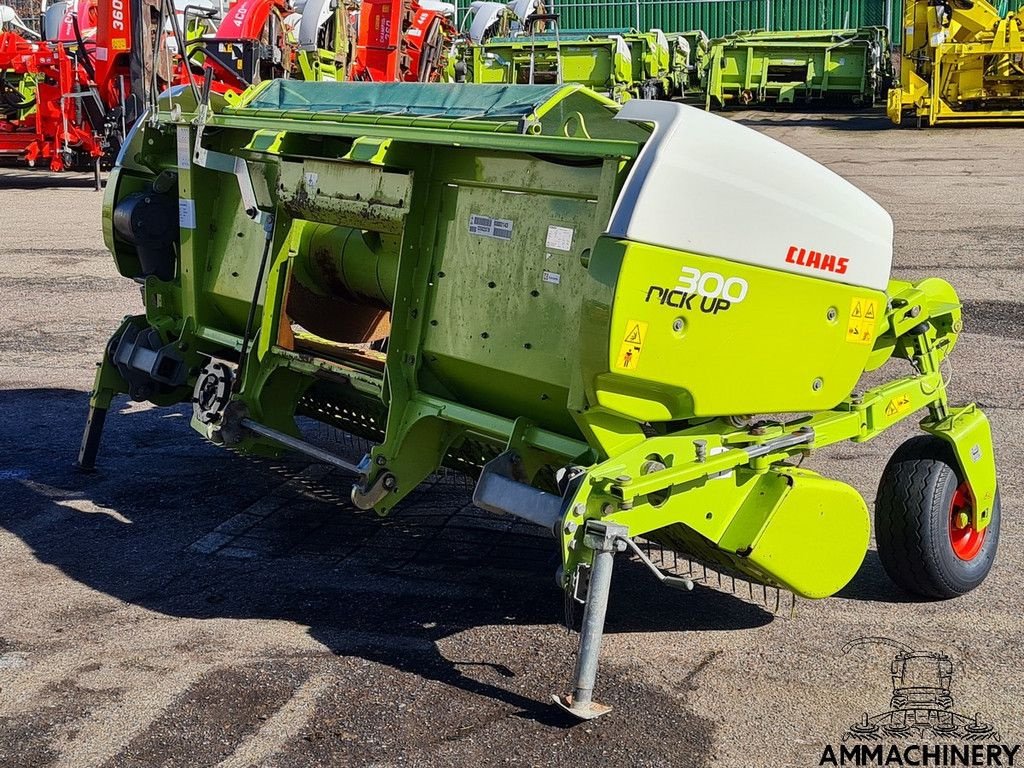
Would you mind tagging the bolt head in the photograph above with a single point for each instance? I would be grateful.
(570, 526)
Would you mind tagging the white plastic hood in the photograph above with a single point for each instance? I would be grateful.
(707, 185)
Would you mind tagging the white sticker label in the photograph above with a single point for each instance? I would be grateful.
(311, 180)
(485, 226)
(187, 214)
(101, 54)
(184, 155)
(560, 238)
(551, 277)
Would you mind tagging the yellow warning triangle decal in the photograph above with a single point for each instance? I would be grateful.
(870, 313)
(856, 310)
(633, 337)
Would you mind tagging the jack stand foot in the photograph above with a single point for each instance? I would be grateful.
(605, 539)
(581, 711)
(91, 439)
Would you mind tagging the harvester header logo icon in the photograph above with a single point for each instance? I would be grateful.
(921, 725)
(922, 699)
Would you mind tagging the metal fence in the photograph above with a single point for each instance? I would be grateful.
(722, 17)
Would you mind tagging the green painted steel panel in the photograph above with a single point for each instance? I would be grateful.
(723, 17)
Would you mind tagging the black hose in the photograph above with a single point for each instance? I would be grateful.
(86, 61)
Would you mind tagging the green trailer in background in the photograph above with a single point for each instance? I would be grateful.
(842, 65)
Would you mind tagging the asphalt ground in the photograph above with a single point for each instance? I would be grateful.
(188, 607)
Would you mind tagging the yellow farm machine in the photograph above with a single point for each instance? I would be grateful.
(962, 61)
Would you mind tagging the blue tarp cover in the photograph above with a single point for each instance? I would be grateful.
(441, 100)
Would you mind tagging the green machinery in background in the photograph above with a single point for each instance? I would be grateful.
(620, 64)
(849, 66)
(651, 63)
(531, 284)
(688, 56)
(17, 95)
(841, 66)
(603, 64)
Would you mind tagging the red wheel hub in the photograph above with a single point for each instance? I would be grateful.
(965, 538)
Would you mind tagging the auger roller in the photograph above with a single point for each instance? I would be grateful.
(625, 321)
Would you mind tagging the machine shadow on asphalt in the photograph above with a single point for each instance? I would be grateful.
(837, 121)
(36, 179)
(181, 527)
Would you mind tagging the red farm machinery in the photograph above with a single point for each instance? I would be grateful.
(70, 93)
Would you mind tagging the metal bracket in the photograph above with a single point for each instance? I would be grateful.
(221, 161)
(367, 498)
(502, 487)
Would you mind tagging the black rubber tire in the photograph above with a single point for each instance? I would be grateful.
(912, 522)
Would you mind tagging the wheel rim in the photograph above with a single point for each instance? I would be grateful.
(963, 536)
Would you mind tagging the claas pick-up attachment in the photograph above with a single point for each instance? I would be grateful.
(538, 287)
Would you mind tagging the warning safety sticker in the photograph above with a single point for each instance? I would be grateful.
(897, 405)
(632, 345)
(860, 329)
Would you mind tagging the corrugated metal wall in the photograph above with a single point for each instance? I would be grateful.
(722, 17)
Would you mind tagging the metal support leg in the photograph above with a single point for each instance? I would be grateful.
(99, 404)
(605, 540)
(91, 439)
